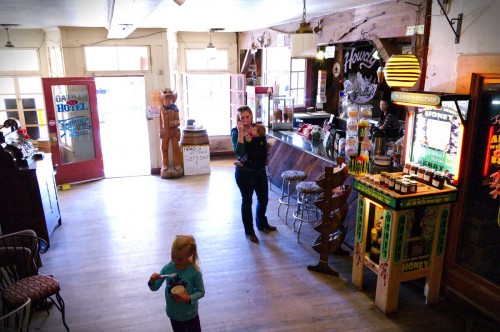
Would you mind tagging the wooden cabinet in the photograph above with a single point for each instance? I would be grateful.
(28, 199)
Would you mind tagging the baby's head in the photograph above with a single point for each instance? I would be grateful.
(259, 130)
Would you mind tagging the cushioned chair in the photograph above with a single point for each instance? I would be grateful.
(18, 319)
(19, 277)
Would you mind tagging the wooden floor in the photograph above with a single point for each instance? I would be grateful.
(116, 232)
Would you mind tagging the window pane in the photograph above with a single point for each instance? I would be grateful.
(31, 117)
(18, 60)
(196, 60)
(30, 85)
(28, 103)
(116, 58)
(33, 102)
(10, 104)
(298, 64)
(7, 85)
(278, 59)
(301, 80)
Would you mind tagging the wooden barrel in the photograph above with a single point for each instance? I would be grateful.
(43, 145)
(194, 137)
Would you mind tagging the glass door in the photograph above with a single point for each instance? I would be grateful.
(72, 116)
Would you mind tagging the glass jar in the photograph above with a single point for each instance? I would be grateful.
(438, 180)
(352, 124)
(413, 187)
(420, 173)
(382, 178)
(405, 187)
(392, 182)
(352, 111)
(414, 168)
(406, 169)
(428, 175)
(397, 185)
(365, 111)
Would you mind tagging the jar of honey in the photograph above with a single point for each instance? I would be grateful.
(406, 168)
(438, 180)
(405, 187)
(428, 175)
(414, 168)
(420, 173)
(397, 185)
(392, 182)
(413, 187)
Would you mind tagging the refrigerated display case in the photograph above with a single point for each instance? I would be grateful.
(257, 101)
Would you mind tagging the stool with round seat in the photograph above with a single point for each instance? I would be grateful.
(307, 192)
(289, 177)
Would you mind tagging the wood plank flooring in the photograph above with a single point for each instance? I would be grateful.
(116, 232)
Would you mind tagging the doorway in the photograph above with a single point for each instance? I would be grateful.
(124, 131)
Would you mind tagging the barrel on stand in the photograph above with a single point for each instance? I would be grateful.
(194, 137)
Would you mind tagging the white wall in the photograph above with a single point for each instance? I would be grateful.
(479, 36)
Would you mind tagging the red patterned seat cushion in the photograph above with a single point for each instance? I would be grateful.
(35, 287)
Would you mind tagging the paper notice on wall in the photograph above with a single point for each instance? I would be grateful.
(196, 159)
(153, 112)
(155, 98)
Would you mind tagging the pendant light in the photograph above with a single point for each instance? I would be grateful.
(210, 50)
(7, 29)
(303, 42)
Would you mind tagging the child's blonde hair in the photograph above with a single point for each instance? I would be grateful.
(187, 245)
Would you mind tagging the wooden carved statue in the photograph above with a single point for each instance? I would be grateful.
(170, 135)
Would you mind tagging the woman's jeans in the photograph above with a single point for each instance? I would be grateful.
(250, 180)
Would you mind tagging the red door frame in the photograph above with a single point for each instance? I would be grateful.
(81, 170)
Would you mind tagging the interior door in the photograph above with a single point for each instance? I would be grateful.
(71, 105)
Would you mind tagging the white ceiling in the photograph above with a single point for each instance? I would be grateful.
(192, 15)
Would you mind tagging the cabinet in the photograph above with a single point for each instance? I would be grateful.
(400, 238)
(29, 199)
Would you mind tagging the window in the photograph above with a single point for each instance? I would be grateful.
(207, 102)
(21, 97)
(116, 58)
(196, 60)
(289, 74)
(19, 60)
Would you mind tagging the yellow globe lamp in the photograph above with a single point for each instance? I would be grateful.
(402, 70)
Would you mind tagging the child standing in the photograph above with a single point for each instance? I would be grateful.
(183, 273)
(256, 136)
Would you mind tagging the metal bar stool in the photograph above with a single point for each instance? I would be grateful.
(307, 192)
(289, 177)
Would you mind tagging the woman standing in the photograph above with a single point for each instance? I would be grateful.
(252, 177)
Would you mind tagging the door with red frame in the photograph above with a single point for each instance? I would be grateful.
(71, 105)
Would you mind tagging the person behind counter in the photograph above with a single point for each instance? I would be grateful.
(388, 121)
(252, 176)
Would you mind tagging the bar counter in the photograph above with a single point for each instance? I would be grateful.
(314, 148)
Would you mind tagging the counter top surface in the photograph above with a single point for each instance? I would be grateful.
(316, 148)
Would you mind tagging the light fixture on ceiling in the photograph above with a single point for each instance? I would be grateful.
(320, 55)
(303, 41)
(179, 2)
(7, 29)
(210, 50)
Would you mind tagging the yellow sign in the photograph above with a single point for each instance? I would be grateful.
(424, 99)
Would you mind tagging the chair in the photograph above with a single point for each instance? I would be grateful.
(307, 191)
(19, 277)
(289, 177)
(17, 320)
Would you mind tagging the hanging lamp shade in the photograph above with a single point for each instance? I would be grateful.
(303, 43)
(402, 70)
(210, 52)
